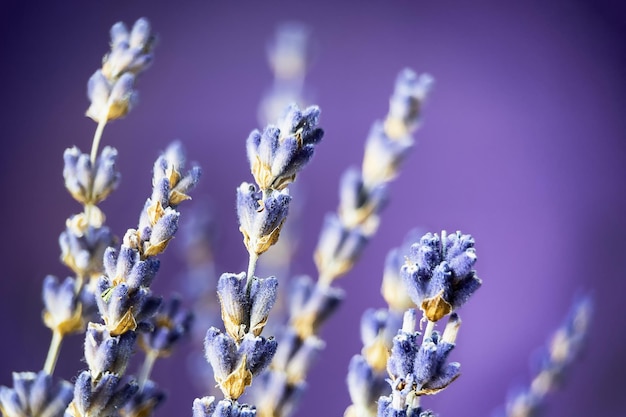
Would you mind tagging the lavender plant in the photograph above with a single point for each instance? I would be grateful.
(110, 299)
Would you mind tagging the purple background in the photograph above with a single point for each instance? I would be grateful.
(522, 146)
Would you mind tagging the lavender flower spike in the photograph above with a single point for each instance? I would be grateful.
(439, 275)
(34, 395)
(278, 153)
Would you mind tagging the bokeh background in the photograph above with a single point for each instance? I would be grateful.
(522, 146)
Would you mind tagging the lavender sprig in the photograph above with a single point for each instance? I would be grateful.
(344, 235)
(123, 296)
(556, 359)
(276, 156)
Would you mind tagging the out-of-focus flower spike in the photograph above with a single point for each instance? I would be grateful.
(393, 288)
(338, 249)
(287, 53)
(302, 359)
(378, 327)
(558, 356)
(275, 396)
(170, 324)
(144, 402)
(34, 394)
(406, 102)
(358, 204)
(365, 387)
(383, 156)
(111, 89)
(318, 303)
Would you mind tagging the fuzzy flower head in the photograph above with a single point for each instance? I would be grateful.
(278, 153)
(111, 89)
(83, 244)
(103, 397)
(34, 395)
(245, 310)
(90, 183)
(63, 309)
(261, 216)
(235, 364)
(439, 273)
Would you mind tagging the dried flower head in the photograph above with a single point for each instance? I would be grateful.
(438, 273)
(34, 395)
(278, 153)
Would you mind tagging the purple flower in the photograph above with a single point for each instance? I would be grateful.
(261, 216)
(33, 394)
(278, 153)
(439, 275)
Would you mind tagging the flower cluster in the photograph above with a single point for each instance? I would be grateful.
(111, 88)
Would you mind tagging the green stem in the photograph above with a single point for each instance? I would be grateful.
(53, 352)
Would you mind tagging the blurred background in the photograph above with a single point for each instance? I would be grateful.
(522, 146)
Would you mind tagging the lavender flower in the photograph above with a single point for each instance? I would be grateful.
(206, 407)
(107, 353)
(90, 183)
(417, 369)
(245, 309)
(439, 275)
(63, 309)
(278, 153)
(110, 89)
(34, 395)
(234, 365)
(261, 216)
(99, 397)
(83, 244)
